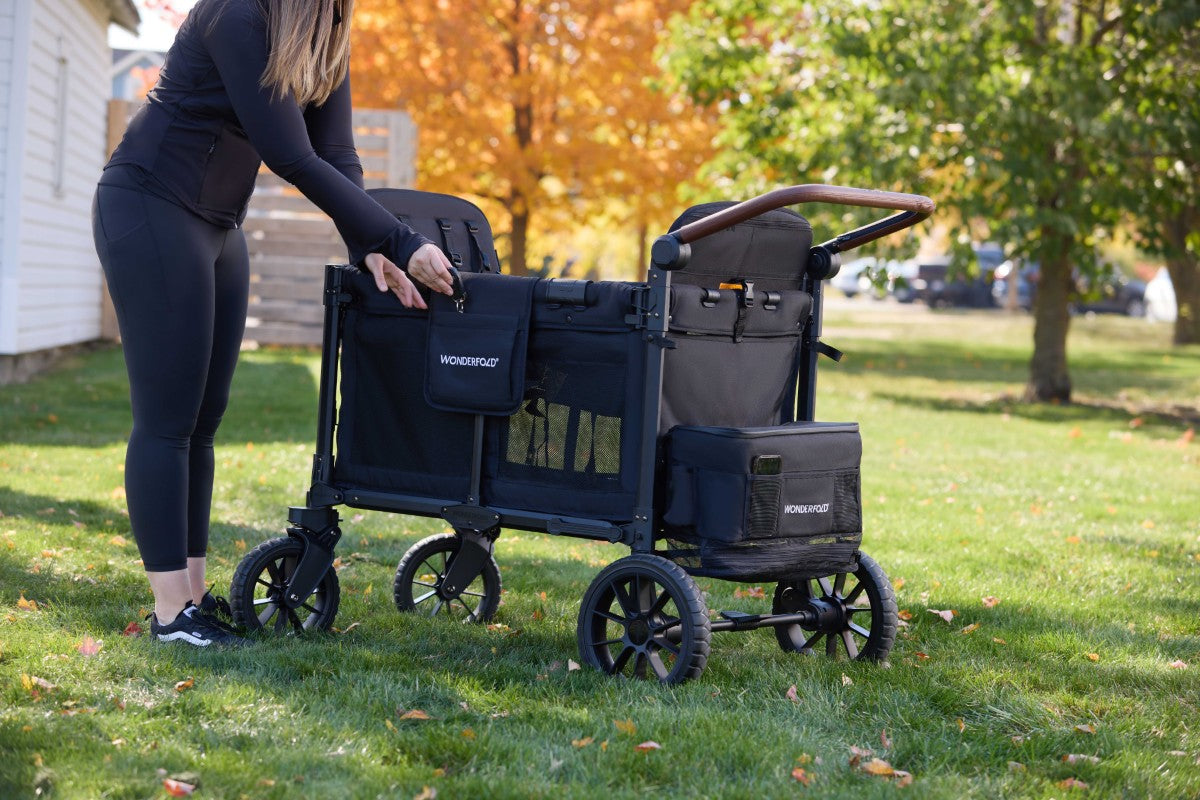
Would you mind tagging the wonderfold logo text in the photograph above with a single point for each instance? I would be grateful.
(469, 361)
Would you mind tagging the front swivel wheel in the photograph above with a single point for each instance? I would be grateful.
(420, 584)
(643, 616)
(256, 594)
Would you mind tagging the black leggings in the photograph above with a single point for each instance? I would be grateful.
(179, 286)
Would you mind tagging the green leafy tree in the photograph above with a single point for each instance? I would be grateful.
(1007, 113)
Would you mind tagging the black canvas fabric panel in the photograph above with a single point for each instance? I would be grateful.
(771, 250)
(388, 437)
(711, 379)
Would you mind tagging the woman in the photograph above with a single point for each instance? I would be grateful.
(245, 81)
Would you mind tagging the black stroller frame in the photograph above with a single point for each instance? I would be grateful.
(643, 615)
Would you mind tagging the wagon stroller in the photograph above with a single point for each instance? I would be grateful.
(674, 416)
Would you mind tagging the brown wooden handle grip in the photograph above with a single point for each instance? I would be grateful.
(917, 206)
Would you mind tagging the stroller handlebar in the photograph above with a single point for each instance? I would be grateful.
(913, 208)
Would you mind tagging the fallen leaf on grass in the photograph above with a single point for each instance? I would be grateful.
(948, 614)
(846, 680)
(792, 694)
(89, 647)
(998, 640)
(962, 726)
(884, 740)
(572, 665)
(647, 746)
(132, 629)
(184, 685)
(177, 788)
(755, 592)
(427, 793)
(1072, 783)
(27, 605)
(991, 602)
(904, 614)
(1080, 758)
(1186, 438)
(1089, 728)
(922, 656)
(1093, 656)
(414, 713)
(879, 767)
(1016, 766)
(1074, 539)
(974, 626)
(802, 776)
(468, 733)
(857, 754)
(579, 744)
(1178, 664)
(625, 726)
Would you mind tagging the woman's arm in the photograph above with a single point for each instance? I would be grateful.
(331, 131)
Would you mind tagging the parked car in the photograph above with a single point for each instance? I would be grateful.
(853, 278)
(1109, 293)
(933, 281)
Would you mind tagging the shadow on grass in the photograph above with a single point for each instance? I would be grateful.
(1115, 412)
(86, 403)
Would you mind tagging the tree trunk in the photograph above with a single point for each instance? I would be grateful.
(1184, 269)
(520, 233)
(1049, 380)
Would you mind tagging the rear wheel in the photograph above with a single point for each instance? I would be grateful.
(856, 613)
(644, 617)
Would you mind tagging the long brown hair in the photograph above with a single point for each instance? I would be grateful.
(309, 47)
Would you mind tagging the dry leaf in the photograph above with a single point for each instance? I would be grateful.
(947, 614)
(177, 788)
(898, 584)
(89, 647)
(1075, 432)
(991, 602)
(857, 754)
(922, 656)
(1093, 656)
(427, 793)
(1080, 758)
(625, 726)
(904, 614)
(974, 626)
(1072, 783)
(184, 685)
(998, 640)
(1016, 766)
(962, 726)
(1089, 728)
(647, 746)
(802, 776)
(468, 733)
(572, 665)
(792, 694)
(884, 740)
(27, 605)
(846, 680)
(878, 767)
(581, 743)
(1074, 539)
(902, 778)
(755, 592)
(1178, 664)
(415, 713)
(132, 629)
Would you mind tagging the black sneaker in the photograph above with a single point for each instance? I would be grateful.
(219, 612)
(194, 628)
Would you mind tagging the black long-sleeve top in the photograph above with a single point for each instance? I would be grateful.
(207, 124)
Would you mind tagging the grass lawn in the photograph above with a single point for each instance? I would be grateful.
(1076, 676)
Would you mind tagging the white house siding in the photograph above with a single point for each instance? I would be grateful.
(14, 23)
(60, 281)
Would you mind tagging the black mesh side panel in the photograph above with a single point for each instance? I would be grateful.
(763, 522)
(767, 559)
(847, 503)
(571, 449)
(388, 437)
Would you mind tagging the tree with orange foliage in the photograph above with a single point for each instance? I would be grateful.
(546, 107)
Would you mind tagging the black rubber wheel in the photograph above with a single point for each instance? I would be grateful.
(644, 616)
(419, 577)
(258, 584)
(857, 613)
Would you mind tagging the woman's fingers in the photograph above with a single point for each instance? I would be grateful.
(430, 266)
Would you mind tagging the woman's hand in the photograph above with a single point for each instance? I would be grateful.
(430, 266)
(388, 276)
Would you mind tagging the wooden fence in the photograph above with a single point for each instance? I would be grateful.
(290, 240)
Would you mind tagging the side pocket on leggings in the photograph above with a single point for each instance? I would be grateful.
(121, 212)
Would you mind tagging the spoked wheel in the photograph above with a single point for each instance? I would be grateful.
(856, 613)
(258, 585)
(643, 617)
(422, 571)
